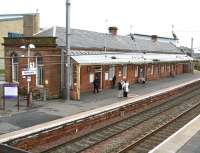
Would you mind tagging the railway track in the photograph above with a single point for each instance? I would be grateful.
(152, 139)
(140, 123)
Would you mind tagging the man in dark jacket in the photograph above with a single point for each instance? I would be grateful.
(96, 85)
(113, 81)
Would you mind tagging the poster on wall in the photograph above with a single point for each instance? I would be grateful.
(91, 77)
(106, 76)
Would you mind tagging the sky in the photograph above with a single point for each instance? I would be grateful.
(152, 17)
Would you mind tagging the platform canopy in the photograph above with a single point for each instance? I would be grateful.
(130, 58)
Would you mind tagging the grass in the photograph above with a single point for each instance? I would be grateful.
(2, 71)
(197, 67)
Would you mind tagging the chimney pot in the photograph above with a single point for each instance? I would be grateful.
(154, 38)
(113, 30)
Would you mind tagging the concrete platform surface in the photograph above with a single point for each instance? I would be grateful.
(185, 140)
(41, 112)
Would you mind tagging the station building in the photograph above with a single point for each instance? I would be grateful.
(93, 54)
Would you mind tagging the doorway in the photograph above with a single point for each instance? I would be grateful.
(98, 75)
(141, 71)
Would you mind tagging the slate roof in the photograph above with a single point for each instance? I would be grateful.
(83, 39)
(186, 50)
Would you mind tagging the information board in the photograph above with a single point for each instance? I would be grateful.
(10, 91)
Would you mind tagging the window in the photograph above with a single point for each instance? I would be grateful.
(136, 71)
(165, 67)
(40, 71)
(162, 68)
(168, 68)
(151, 69)
(111, 72)
(124, 71)
(15, 67)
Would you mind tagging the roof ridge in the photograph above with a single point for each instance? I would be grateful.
(42, 31)
(54, 31)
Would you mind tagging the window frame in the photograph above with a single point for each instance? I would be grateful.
(111, 72)
(15, 67)
(124, 71)
(40, 70)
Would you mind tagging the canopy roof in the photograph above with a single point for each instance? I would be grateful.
(130, 58)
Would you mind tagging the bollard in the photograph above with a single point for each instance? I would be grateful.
(29, 99)
(45, 94)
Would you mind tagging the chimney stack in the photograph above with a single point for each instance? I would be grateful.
(31, 24)
(154, 38)
(113, 30)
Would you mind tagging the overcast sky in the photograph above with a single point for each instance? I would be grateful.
(145, 16)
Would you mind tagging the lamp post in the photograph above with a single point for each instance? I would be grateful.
(68, 66)
(29, 46)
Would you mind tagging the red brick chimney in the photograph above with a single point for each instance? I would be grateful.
(113, 30)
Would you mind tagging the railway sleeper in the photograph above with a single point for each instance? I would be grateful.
(146, 146)
(140, 149)
(150, 141)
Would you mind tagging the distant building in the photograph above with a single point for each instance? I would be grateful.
(17, 25)
(127, 57)
(187, 51)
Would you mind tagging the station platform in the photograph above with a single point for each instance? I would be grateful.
(55, 113)
(44, 111)
(185, 140)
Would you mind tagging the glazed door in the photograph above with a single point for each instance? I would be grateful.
(141, 72)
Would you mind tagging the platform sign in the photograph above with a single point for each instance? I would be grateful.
(10, 91)
(30, 72)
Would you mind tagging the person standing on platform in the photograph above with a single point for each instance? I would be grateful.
(96, 85)
(120, 91)
(125, 88)
(113, 81)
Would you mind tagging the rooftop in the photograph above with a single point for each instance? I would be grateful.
(83, 39)
(134, 58)
(8, 17)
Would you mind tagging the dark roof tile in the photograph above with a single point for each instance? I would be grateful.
(89, 39)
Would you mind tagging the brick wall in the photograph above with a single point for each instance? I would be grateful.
(179, 69)
(85, 84)
(51, 68)
(152, 72)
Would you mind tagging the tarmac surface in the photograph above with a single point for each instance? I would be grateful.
(44, 111)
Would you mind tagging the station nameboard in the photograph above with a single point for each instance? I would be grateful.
(30, 71)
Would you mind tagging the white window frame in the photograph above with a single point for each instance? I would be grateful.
(148, 70)
(152, 71)
(136, 71)
(124, 71)
(41, 77)
(111, 72)
(162, 68)
(15, 70)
